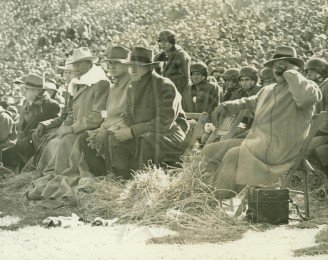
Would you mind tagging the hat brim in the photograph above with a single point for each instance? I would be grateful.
(64, 68)
(31, 87)
(92, 58)
(140, 63)
(18, 81)
(298, 62)
(119, 60)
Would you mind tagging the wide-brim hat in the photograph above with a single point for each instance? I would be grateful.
(68, 64)
(117, 53)
(33, 81)
(285, 53)
(141, 56)
(50, 85)
(82, 54)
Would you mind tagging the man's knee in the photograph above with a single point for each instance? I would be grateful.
(232, 154)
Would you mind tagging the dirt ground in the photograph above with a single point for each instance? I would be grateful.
(130, 242)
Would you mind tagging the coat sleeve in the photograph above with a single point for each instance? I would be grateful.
(58, 121)
(248, 103)
(6, 125)
(181, 79)
(94, 119)
(53, 110)
(214, 98)
(167, 102)
(305, 92)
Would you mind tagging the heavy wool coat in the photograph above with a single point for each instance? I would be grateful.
(6, 125)
(42, 108)
(87, 104)
(154, 112)
(323, 106)
(281, 124)
(176, 66)
(207, 98)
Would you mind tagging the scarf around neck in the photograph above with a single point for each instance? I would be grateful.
(94, 75)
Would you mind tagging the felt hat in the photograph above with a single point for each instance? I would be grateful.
(117, 53)
(50, 85)
(33, 81)
(82, 54)
(141, 56)
(286, 53)
(68, 65)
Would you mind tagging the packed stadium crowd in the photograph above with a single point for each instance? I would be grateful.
(208, 54)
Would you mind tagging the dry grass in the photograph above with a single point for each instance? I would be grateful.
(15, 203)
(179, 199)
(320, 249)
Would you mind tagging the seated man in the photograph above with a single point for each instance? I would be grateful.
(201, 95)
(281, 124)
(317, 70)
(266, 77)
(231, 85)
(7, 129)
(39, 107)
(46, 131)
(89, 90)
(91, 147)
(156, 126)
(248, 82)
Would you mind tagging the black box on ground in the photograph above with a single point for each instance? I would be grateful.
(268, 205)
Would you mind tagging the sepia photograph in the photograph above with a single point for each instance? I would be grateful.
(153, 129)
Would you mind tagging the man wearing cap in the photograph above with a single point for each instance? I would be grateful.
(91, 147)
(89, 90)
(266, 77)
(39, 107)
(156, 126)
(231, 85)
(174, 62)
(316, 69)
(282, 112)
(201, 95)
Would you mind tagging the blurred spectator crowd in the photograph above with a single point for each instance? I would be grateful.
(37, 36)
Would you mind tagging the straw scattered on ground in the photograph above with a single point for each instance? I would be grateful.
(179, 199)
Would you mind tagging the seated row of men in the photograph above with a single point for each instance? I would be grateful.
(117, 129)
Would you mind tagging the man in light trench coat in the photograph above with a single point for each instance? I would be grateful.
(282, 112)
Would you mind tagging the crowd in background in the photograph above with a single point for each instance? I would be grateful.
(37, 36)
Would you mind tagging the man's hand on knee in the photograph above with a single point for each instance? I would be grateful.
(123, 134)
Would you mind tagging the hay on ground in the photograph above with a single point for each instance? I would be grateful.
(176, 198)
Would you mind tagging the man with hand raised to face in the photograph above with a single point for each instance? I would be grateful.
(282, 113)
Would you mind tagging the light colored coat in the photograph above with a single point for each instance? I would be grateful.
(281, 124)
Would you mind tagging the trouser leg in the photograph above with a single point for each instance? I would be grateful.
(96, 164)
(123, 158)
(224, 178)
(214, 153)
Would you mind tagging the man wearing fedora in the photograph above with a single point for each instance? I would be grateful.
(47, 130)
(174, 62)
(281, 114)
(91, 147)
(39, 107)
(68, 74)
(89, 91)
(155, 126)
